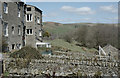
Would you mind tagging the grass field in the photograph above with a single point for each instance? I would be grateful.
(71, 46)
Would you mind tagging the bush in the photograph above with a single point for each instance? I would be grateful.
(46, 34)
(68, 38)
(27, 53)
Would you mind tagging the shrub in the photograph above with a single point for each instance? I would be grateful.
(68, 38)
(27, 53)
(46, 34)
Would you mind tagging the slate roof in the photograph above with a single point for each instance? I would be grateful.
(110, 48)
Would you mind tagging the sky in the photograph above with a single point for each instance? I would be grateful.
(78, 12)
(71, 0)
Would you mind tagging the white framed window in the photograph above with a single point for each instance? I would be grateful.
(29, 17)
(18, 46)
(18, 13)
(29, 32)
(18, 10)
(19, 32)
(5, 29)
(13, 46)
(13, 30)
(38, 20)
(40, 33)
(5, 7)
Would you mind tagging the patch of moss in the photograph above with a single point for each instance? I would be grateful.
(6, 74)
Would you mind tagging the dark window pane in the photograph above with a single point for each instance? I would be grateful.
(30, 17)
(5, 7)
(27, 17)
(29, 9)
(27, 31)
(12, 28)
(13, 46)
(18, 6)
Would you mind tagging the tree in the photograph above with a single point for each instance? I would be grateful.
(80, 35)
(46, 34)
(68, 38)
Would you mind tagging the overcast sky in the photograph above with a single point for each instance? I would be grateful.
(78, 12)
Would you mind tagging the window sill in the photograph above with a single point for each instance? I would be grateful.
(38, 23)
(28, 21)
(5, 13)
(6, 35)
(29, 34)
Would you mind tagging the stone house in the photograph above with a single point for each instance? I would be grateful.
(12, 23)
(20, 24)
(33, 25)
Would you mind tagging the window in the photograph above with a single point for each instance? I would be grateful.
(18, 13)
(19, 32)
(38, 20)
(40, 33)
(29, 17)
(13, 46)
(18, 10)
(28, 8)
(5, 8)
(13, 30)
(18, 46)
(29, 31)
(5, 29)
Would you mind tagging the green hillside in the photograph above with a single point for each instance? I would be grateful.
(59, 29)
(89, 35)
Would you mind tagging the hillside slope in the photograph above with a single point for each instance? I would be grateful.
(70, 46)
(60, 29)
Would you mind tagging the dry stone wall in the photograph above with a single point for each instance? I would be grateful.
(62, 65)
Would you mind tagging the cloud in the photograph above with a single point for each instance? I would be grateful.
(81, 10)
(109, 8)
